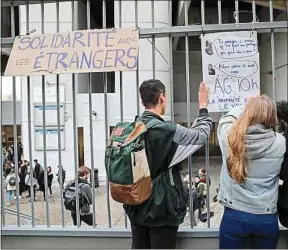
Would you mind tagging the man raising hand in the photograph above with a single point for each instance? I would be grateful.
(155, 222)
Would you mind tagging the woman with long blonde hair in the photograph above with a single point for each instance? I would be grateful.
(252, 154)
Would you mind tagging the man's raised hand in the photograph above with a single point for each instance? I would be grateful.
(203, 95)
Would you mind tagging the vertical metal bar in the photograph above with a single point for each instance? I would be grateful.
(207, 142)
(44, 128)
(219, 12)
(106, 118)
(153, 38)
(202, 12)
(15, 150)
(237, 11)
(3, 219)
(120, 73)
(207, 181)
(121, 90)
(188, 100)
(137, 70)
(14, 122)
(271, 10)
(91, 126)
(12, 20)
(254, 11)
(60, 165)
(273, 53)
(75, 131)
(171, 63)
(32, 196)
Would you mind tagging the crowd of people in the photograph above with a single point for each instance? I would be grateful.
(28, 180)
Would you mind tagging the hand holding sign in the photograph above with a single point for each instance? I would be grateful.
(203, 95)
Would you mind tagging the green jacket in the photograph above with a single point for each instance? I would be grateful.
(167, 145)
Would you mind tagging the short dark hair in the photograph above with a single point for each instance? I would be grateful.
(150, 91)
(83, 170)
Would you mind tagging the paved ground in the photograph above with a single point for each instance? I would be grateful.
(117, 214)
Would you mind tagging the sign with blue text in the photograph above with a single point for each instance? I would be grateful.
(74, 52)
(51, 138)
(230, 65)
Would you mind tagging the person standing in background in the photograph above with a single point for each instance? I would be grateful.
(22, 174)
(85, 197)
(282, 113)
(59, 175)
(50, 179)
(28, 177)
(11, 181)
(37, 168)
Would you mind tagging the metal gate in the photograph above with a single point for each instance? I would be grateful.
(174, 31)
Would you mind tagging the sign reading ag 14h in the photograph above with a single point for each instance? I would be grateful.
(74, 52)
(230, 63)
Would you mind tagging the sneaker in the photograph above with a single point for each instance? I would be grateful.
(20, 197)
(8, 204)
(50, 195)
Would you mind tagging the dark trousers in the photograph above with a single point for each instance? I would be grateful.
(29, 191)
(88, 219)
(239, 230)
(50, 189)
(153, 237)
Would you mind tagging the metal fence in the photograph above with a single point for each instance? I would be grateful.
(152, 33)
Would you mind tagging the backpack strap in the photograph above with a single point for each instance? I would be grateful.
(151, 123)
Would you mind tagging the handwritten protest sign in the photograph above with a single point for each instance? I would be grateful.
(230, 64)
(74, 52)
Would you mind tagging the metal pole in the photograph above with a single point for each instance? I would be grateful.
(207, 181)
(254, 11)
(106, 120)
(202, 12)
(237, 11)
(3, 219)
(273, 53)
(14, 123)
(171, 63)
(32, 196)
(219, 12)
(75, 131)
(121, 89)
(188, 100)
(44, 130)
(137, 70)
(153, 38)
(15, 150)
(60, 165)
(207, 142)
(91, 126)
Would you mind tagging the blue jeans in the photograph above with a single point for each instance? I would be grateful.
(239, 230)
(10, 195)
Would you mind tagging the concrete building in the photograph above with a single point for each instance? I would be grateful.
(162, 72)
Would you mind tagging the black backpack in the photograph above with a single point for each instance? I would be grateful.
(69, 196)
(12, 181)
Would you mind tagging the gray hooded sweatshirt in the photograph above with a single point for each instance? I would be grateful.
(265, 154)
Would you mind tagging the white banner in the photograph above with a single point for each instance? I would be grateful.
(80, 51)
(230, 65)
